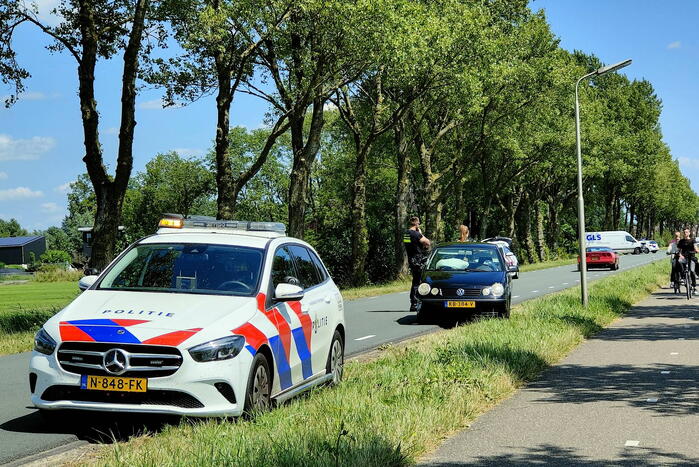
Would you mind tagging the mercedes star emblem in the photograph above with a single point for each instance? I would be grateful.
(115, 361)
(459, 292)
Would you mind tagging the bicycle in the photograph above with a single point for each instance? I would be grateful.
(686, 275)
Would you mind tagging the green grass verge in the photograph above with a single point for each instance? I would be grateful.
(353, 293)
(25, 307)
(391, 410)
(547, 264)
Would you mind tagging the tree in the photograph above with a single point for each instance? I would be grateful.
(11, 228)
(93, 30)
(220, 39)
(170, 184)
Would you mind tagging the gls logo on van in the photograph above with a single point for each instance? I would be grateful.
(593, 237)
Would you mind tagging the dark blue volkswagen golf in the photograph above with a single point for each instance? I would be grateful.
(465, 277)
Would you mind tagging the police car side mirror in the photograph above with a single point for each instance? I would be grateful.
(86, 282)
(288, 292)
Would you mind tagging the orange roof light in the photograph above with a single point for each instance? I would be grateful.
(171, 223)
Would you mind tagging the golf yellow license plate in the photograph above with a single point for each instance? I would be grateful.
(113, 383)
(461, 304)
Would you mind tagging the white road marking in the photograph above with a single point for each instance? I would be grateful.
(565, 283)
(365, 337)
(515, 296)
(632, 442)
(535, 291)
(652, 399)
(674, 353)
(664, 372)
(552, 287)
(577, 280)
(372, 298)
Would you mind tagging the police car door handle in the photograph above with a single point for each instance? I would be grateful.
(304, 309)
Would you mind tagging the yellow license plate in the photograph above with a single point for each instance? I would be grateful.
(461, 304)
(113, 383)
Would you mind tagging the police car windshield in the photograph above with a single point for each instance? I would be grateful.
(465, 258)
(187, 268)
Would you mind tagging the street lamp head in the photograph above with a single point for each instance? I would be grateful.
(615, 67)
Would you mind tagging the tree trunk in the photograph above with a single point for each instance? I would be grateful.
(360, 233)
(540, 239)
(226, 199)
(401, 200)
(554, 227)
(304, 155)
(109, 193)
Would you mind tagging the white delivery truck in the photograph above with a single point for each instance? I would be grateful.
(618, 240)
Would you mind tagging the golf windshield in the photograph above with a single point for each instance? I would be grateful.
(187, 268)
(466, 258)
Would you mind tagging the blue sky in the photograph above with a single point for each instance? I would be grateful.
(41, 144)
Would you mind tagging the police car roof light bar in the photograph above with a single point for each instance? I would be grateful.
(179, 221)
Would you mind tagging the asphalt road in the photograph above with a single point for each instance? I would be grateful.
(371, 322)
(626, 397)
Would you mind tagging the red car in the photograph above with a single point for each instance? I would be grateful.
(601, 257)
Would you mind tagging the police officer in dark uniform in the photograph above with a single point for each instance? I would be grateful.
(415, 246)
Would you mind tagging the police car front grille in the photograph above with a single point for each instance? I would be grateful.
(145, 361)
(468, 293)
(150, 397)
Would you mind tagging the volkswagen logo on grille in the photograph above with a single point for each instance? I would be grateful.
(460, 292)
(115, 361)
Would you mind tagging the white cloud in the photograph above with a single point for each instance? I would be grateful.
(24, 149)
(3, 175)
(688, 162)
(674, 45)
(49, 207)
(193, 152)
(44, 7)
(111, 131)
(158, 104)
(63, 188)
(19, 193)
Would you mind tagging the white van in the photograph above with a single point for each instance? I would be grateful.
(618, 240)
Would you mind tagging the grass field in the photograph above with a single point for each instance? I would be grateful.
(24, 308)
(392, 410)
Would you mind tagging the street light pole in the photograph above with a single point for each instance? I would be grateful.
(581, 201)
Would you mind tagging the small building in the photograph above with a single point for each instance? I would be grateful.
(17, 250)
(88, 238)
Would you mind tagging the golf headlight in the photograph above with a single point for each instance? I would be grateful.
(44, 343)
(219, 349)
(486, 291)
(434, 291)
(424, 288)
(497, 289)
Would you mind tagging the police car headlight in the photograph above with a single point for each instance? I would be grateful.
(486, 291)
(44, 343)
(497, 289)
(219, 349)
(424, 288)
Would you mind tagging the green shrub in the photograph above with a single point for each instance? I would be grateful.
(55, 273)
(2, 265)
(55, 257)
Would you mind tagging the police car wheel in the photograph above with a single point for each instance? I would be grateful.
(336, 359)
(257, 397)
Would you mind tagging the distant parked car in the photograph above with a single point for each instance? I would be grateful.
(600, 257)
(649, 246)
(505, 244)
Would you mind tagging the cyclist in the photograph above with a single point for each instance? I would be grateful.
(674, 269)
(687, 249)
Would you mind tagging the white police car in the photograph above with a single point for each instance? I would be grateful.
(204, 318)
